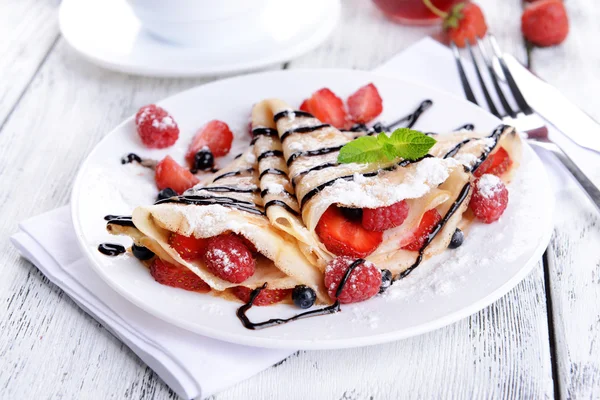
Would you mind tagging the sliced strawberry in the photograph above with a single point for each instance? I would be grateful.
(365, 104)
(421, 234)
(177, 276)
(169, 174)
(496, 164)
(346, 237)
(328, 108)
(304, 106)
(265, 298)
(215, 135)
(190, 248)
(384, 218)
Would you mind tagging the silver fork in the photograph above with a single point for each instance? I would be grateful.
(523, 117)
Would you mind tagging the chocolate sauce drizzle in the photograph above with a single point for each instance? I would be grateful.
(312, 153)
(273, 171)
(270, 153)
(281, 204)
(111, 249)
(230, 202)
(335, 307)
(465, 127)
(291, 113)
(440, 225)
(303, 129)
(122, 220)
(225, 189)
(495, 135)
(131, 157)
(315, 168)
(266, 191)
(233, 173)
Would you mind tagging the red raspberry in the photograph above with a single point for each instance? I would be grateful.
(383, 218)
(156, 127)
(490, 198)
(428, 222)
(169, 174)
(265, 298)
(365, 104)
(190, 248)
(177, 276)
(362, 284)
(228, 258)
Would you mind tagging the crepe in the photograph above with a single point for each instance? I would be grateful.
(308, 156)
(230, 203)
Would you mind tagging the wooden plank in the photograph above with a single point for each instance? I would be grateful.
(28, 29)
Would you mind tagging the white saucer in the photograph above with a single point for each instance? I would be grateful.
(107, 33)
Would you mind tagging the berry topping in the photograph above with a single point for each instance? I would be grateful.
(166, 193)
(365, 104)
(430, 219)
(490, 198)
(265, 298)
(189, 248)
(215, 135)
(303, 296)
(465, 22)
(169, 174)
(346, 237)
(177, 276)
(203, 161)
(458, 237)
(304, 106)
(497, 163)
(141, 253)
(545, 22)
(156, 127)
(362, 283)
(328, 108)
(383, 218)
(228, 258)
(386, 280)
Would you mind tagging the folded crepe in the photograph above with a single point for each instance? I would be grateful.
(307, 155)
(231, 203)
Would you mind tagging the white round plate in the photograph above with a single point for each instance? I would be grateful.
(444, 289)
(107, 33)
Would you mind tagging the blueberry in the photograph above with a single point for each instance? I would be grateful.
(203, 161)
(379, 127)
(141, 252)
(303, 296)
(166, 193)
(457, 239)
(352, 213)
(386, 280)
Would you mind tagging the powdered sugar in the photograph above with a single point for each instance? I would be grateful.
(488, 185)
(250, 157)
(164, 123)
(275, 188)
(466, 159)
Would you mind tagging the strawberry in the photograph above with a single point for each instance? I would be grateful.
(365, 104)
(545, 22)
(156, 127)
(328, 108)
(215, 135)
(346, 237)
(177, 276)
(304, 106)
(429, 220)
(265, 298)
(363, 282)
(189, 248)
(169, 174)
(383, 218)
(464, 23)
(497, 164)
(228, 258)
(490, 198)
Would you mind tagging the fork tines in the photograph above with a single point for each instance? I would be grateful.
(506, 110)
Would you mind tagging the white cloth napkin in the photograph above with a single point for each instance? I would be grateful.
(192, 365)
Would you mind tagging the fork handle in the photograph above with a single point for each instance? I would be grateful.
(588, 186)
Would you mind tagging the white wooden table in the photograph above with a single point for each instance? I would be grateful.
(542, 340)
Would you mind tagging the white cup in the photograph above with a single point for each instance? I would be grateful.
(205, 23)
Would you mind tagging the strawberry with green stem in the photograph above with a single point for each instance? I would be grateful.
(463, 23)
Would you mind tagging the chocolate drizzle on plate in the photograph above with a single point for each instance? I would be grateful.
(465, 127)
(111, 249)
(335, 307)
(122, 220)
(131, 157)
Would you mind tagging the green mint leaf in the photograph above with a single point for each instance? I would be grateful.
(364, 150)
(410, 144)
